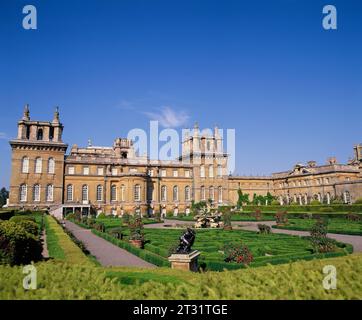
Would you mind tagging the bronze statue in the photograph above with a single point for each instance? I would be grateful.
(186, 242)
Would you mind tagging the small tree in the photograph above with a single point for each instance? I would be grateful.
(243, 199)
(226, 217)
(318, 236)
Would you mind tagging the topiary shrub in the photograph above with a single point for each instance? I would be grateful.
(319, 240)
(226, 218)
(17, 246)
(281, 217)
(30, 227)
(70, 216)
(264, 229)
(17, 219)
(275, 203)
(99, 226)
(238, 253)
(126, 219)
(358, 201)
(257, 214)
(102, 216)
(315, 203)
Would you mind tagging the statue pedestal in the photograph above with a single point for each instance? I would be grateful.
(186, 262)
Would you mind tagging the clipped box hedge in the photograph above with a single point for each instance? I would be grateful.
(141, 253)
(356, 208)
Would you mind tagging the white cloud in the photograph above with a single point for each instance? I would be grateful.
(3, 135)
(169, 118)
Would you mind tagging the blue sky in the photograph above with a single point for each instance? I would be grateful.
(291, 89)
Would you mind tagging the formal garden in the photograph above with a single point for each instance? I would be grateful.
(268, 266)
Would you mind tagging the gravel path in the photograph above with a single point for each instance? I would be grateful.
(355, 241)
(105, 252)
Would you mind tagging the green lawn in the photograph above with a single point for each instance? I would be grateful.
(335, 225)
(110, 223)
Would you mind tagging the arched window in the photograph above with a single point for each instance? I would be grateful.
(163, 193)
(25, 165)
(38, 165)
(113, 193)
(99, 192)
(23, 193)
(123, 193)
(69, 192)
(49, 193)
(306, 199)
(328, 198)
(85, 193)
(208, 145)
(137, 192)
(202, 193)
(202, 171)
(175, 193)
(39, 135)
(36, 193)
(211, 171)
(187, 193)
(346, 197)
(51, 166)
(220, 194)
(211, 193)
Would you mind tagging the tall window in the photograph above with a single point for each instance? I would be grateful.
(219, 171)
(187, 193)
(99, 192)
(100, 171)
(23, 193)
(211, 193)
(36, 193)
(346, 197)
(137, 192)
(113, 193)
(49, 193)
(71, 170)
(38, 165)
(86, 171)
(202, 171)
(25, 165)
(175, 193)
(163, 193)
(123, 193)
(85, 193)
(69, 192)
(202, 193)
(39, 135)
(220, 194)
(175, 173)
(211, 171)
(51, 165)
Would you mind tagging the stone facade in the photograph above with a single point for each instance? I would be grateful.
(115, 180)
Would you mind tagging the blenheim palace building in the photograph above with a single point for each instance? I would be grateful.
(114, 180)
